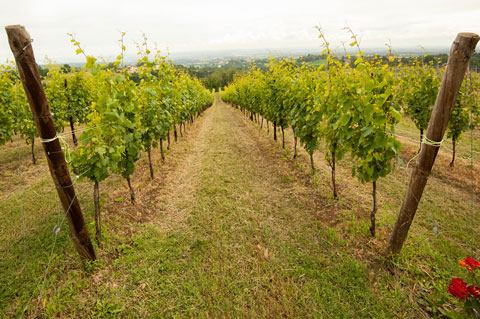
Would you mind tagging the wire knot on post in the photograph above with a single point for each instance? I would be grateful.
(428, 141)
(62, 141)
(23, 49)
(425, 141)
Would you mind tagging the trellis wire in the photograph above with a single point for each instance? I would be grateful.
(20, 180)
(472, 194)
(56, 230)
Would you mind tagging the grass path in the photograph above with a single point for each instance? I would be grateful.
(236, 234)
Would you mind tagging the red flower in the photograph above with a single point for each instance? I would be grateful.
(472, 263)
(458, 288)
(475, 291)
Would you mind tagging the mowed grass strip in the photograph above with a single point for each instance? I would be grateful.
(248, 243)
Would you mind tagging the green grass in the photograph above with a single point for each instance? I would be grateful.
(232, 227)
(317, 62)
(406, 128)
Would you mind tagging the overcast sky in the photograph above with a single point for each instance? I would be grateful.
(188, 25)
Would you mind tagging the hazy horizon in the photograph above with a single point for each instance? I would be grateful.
(189, 27)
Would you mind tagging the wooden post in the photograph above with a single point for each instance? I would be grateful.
(20, 44)
(460, 53)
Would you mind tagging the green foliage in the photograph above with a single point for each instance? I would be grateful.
(69, 95)
(303, 102)
(26, 125)
(155, 95)
(54, 86)
(125, 118)
(350, 108)
(79, 93)
(464, 106)
(338, 94)
(215, 77)
(372, 119)
(277, 84)
(120, 109)
(420, 86)
(105, 309)
(99, 151)
(7, 104)
(219, 78)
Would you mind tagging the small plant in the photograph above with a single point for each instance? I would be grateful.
(105, 309)
(468, 294)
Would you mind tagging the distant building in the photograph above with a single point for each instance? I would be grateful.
(132, 68)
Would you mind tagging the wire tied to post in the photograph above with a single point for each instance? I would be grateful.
(23, 49)
(425, 141)
(428, 141)
(62, 141)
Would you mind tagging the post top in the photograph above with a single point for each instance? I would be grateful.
(14, 26)
(467, 41)
(468, 35)
(18, 39)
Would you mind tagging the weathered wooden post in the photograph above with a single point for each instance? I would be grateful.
(20, 44)
(460, 53)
